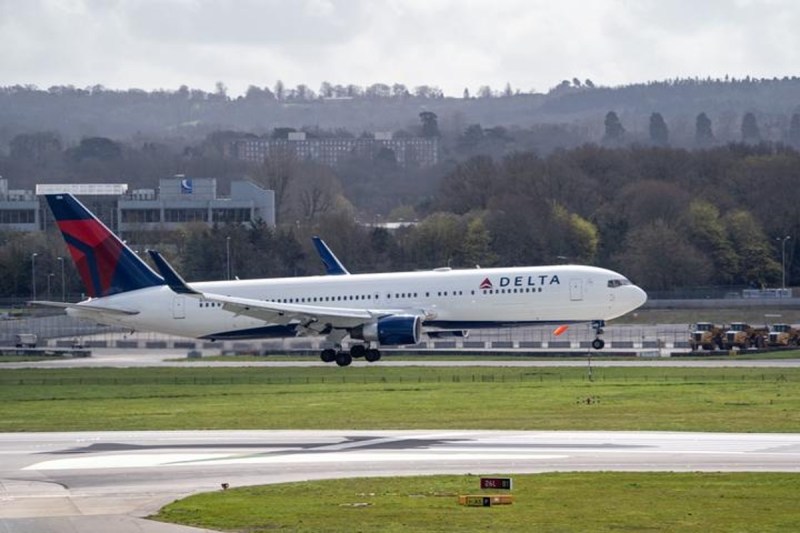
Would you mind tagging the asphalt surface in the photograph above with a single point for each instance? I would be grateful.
(108, 481)
(122, 358)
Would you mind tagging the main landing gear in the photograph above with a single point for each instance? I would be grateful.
(344, 358)
(598, 326)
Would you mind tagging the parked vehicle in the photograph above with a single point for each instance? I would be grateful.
(706, 336)
(25, 340)
(783, 335)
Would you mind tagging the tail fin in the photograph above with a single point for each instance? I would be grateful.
(333, 267)
(104, 263)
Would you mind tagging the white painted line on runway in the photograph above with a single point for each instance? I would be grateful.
(213, 459)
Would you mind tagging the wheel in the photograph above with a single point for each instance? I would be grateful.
(358, 350)
(372, 355)
(343, 359)
(328, 355)
(598, 344)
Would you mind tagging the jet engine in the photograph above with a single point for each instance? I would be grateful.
(390, 330)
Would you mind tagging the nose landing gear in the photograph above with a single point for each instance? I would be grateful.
(598, 326)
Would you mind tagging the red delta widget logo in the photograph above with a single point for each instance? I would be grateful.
(522, 281)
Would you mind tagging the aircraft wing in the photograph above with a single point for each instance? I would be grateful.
(281, 313)
(273, 312)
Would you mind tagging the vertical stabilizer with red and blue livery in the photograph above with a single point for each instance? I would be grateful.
(106, 265)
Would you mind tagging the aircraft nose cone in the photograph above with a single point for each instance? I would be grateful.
(629, 298)
(639, 296)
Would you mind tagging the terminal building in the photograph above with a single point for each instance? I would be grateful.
(177, 200)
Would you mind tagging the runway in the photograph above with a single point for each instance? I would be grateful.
(103, 481)
(125, 358)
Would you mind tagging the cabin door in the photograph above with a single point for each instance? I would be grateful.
(178, 307)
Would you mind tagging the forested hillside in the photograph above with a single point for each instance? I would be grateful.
(582, 174)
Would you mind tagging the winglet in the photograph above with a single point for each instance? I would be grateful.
(173, 279)
(333, 267)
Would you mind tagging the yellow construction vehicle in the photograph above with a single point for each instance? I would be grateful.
(706, 336)
(743, 336)
(783, 335)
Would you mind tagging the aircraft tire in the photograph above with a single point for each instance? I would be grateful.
(358, 350)
(372, 355)
(343, 359)
(328, 355)
(598, 344)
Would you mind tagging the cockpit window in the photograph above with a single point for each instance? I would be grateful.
(618, 282)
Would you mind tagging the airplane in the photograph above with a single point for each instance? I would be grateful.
(373, 310)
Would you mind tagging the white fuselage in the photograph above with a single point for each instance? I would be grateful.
(454, 299)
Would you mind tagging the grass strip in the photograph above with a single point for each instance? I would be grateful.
(670, 399)
(559, 502)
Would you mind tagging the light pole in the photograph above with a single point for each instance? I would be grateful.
(783, 260)
(228, 255)
(49, 277)
(63, 287)
(33, 274)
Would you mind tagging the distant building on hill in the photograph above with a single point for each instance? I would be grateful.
(406, 151)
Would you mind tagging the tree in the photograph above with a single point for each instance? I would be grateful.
(471, 137)
(465, 95)
(221, 90)
(757, 268)
(430, 124)
(706, 230)
(703, 135)
(576, 238)
(400, 91)
(36, 147)
(96, 148)
(484, 91)
(750, 131)
(280, 90)
(469, 186)
(614, 131)
(326, 89)
(658, 257)
(794, 130)
(437, 241)
(659, 134)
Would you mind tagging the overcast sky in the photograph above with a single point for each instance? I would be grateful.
(452, 44)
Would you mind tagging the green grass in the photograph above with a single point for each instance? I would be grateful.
(561, 502)
(25, 358)
(675, 399)
(524, 356)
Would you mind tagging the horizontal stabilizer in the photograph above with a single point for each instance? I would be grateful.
(87, 307)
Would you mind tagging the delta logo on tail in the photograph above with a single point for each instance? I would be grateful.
(104, 263)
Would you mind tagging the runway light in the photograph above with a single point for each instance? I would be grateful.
(560, 329)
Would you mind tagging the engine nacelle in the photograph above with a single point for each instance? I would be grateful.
(391, 330)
